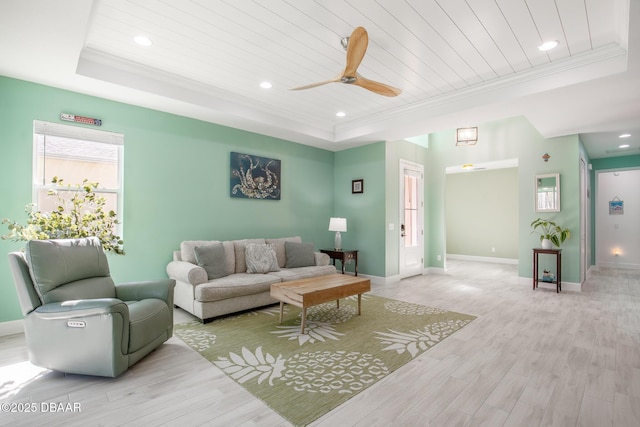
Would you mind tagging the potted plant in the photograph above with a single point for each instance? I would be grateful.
(80, 215)
(550, 232)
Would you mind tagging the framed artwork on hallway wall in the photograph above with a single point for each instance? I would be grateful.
(254, 177)
(357, 186)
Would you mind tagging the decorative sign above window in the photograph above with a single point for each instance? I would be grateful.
(80, 119)
(254, 177)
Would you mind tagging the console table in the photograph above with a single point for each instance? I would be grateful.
(343, 256)
(558, 254)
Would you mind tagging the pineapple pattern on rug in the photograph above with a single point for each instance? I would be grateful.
(303, 376)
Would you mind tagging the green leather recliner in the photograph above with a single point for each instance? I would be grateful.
(76, 319)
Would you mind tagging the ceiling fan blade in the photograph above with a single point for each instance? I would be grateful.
(309, 86)
(356, 48)
(377, 87)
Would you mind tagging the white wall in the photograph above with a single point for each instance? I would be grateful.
(618, 232)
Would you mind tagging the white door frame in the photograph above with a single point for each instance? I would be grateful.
(585, 245)
(417, 268)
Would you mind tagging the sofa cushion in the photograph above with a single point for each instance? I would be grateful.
(280, 250)
(299, 254)
(187, 249)
(288, 274)
(235, 285)
(212, 259)
(261, 258)
(240, 250)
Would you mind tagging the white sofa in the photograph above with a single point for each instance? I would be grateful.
(212, 277)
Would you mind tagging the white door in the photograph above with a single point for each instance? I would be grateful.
(411, 219)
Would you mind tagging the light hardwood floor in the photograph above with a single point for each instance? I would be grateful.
(531, 358)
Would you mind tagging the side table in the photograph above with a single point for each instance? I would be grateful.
(558, 254)
(342, 255)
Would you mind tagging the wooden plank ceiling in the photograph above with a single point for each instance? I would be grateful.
(445, 55)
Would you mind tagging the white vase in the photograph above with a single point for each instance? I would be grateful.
(547, 244)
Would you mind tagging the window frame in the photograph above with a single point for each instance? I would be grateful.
(80, 133)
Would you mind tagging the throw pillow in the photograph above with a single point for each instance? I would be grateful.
(261, 258)
(299, 254)
(212, 259)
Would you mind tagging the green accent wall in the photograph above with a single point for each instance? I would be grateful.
(176, 183)
(365, 211)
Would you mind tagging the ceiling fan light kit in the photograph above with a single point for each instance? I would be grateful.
(356, 46)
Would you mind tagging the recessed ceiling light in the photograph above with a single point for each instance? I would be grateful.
(143, 41)
(624, 146)
(625, 135)
(266, 85)
(341, 114)
(548, 45)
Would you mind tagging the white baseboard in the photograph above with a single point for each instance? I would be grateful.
(618, 265)
(434, 270)
(377, 280)
(483, 259)
(566, 286)
(11, 328)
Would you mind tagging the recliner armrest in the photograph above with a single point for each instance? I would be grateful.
(187, 272)
(81, 308)
(137, 291)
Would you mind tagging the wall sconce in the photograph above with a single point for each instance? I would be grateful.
(616, 252)
(467, 136)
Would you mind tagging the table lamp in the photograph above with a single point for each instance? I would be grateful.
(338, 225)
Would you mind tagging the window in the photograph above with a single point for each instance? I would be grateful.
(74, 154)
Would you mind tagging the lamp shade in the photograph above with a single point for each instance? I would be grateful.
(338, 224)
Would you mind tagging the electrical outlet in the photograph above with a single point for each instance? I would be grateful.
(493, 249)
(439, 257)
(392, 227)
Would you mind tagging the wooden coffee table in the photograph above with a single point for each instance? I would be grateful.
(305, 293)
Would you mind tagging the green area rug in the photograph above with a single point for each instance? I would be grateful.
(302, 377)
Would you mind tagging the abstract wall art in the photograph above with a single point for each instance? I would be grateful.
(254, 177)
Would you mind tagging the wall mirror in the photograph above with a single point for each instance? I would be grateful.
(547, 193)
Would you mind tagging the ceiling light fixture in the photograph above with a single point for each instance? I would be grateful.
(266, 85)
(625, 135)
(341, 114)
(467, 136)
(548, 45)
(143, 41)
(624, 146)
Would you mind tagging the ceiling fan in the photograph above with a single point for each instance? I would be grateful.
(356, 48)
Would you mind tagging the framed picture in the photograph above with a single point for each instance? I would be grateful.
(254, 177)
(616, 207)
(357, 186)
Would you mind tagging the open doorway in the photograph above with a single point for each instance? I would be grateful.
(482, 212)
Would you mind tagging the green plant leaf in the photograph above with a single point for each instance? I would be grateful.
(82, 216)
